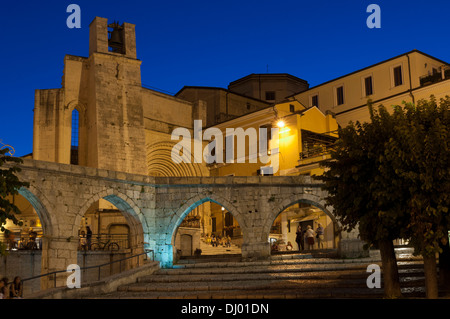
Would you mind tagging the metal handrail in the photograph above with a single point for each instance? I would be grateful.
(90, 267)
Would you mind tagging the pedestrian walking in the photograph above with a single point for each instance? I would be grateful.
(16, 289)
(299, 238)
(309, 235)
(88, 237)
(319, 236)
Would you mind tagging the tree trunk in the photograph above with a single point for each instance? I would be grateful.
(431, 281)
(390, 269)
(444, 270)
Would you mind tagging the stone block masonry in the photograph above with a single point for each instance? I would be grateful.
(155, 206)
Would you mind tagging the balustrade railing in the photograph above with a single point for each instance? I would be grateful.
(98, 268)
(435, 77)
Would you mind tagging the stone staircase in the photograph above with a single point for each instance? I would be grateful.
(292, 276)
(208, 250)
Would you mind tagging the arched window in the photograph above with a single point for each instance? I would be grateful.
(74, 138)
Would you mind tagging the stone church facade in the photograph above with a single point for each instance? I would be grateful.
(123, 126)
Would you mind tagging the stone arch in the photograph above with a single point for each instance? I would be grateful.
(311, 199)
(132, 213)
(45, 211)
(40, 203)
(196, 201)
(75, 104)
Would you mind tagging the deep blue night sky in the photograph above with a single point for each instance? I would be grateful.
(209, 43)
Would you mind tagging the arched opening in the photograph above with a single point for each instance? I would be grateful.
(109, 230)
(74, 141)
(110, 226)
(208, 229)
(29, 233)
(26, 244)
(304, 227)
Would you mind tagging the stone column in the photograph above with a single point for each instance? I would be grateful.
(57, 254)
(256, 212)
(255, 250)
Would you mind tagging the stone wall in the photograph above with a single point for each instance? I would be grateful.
(27, 264)
(154, 207)
(22, 263)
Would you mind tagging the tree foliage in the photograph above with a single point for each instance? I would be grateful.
(9, 186)
(419, 154)
(391, 177)
(359, 183)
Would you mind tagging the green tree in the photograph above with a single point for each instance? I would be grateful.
(391, 179)
(362, 197)
(9, 186)
(419, 154)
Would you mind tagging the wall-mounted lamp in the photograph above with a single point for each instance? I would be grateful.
(281, 124)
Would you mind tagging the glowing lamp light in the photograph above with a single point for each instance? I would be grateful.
(281, 124)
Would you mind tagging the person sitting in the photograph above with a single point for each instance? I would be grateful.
(16, 289)
(4, 288)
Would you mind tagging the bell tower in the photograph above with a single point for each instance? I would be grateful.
(106, 92)
(114, 115)
(113, 37)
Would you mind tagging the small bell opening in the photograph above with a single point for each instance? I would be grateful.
(115, 38)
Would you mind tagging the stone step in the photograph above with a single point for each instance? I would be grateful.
(346, 274)
(273, 268)
(304, 261)
(299, 293)
(325, 284)
(273, 284)
(251, 278)
(225, 258)
(282, 276)
(291, 278)
(208, 249)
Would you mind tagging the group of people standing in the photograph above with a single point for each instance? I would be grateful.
(310, 236)
(12, 290)
(216, 241)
